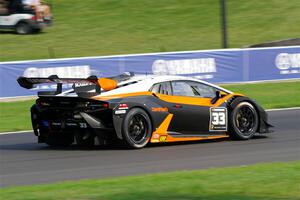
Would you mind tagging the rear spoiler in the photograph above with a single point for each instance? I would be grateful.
(90, 83)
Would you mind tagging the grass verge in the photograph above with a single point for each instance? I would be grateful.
(110, 27)
(272, 181)
(15, 115)
(271, 95)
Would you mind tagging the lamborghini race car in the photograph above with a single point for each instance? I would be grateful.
(138, 110)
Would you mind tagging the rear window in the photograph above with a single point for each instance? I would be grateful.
(162, 88)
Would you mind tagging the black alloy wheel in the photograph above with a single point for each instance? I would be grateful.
(137, 128)
(244, 121)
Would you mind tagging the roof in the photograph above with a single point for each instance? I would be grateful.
(142, 83)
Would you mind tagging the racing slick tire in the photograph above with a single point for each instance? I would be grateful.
(137, 128)
(23, 28)
(243, 121)
(58, 140)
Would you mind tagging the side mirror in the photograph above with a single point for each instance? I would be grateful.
(219, 95)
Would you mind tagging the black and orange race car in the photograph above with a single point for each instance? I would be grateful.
(139, 109)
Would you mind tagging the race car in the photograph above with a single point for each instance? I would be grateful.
(141, 109)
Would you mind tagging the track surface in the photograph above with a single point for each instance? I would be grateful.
(23, 161)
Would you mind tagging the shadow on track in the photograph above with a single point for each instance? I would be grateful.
(44, 147)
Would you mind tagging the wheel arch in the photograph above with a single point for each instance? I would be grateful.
(238, 99)
(24, 21)
(144, 103)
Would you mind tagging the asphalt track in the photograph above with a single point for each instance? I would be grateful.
(23, 161)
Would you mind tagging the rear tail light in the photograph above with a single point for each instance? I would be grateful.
(123, 106)
(34, 18)
(106, 105)
(95, 106)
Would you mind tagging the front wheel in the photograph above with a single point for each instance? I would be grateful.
(23, 28)
(137, 128)
(243, 121)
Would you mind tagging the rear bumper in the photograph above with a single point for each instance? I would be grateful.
(40, 24)
(47, 121)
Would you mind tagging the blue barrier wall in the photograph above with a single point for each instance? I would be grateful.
(216, 66)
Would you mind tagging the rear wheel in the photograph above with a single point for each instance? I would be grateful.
(243, 121)
(23, 28)
(137, 128)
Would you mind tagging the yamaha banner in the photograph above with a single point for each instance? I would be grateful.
(215, 66)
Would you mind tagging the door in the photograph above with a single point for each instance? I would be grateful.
(190, 104)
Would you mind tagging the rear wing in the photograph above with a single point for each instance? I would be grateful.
(82, 86)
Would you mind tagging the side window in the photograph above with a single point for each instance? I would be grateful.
(181, 88)
(192, 89)
(166, 88)
(155, 88)
(162, 88)
(203, 90)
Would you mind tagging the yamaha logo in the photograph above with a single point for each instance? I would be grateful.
(62, 72)
(283, 61)
(288, 63)
(184, 66)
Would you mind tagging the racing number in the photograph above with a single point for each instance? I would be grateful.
(218, 119)
(82, 125)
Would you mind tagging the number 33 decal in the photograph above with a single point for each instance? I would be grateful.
(218, 119)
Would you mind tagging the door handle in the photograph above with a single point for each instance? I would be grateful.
(177, 106)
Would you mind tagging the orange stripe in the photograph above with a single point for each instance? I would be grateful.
(186, 100)
(161, 132)
(224, 99)
(162, 129)
(172, 139)
(172, 99)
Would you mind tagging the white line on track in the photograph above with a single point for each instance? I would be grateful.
(279, 109)
(268, 110)
(15, 132)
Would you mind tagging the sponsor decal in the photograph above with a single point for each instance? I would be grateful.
(163, 138)
(185, 66)
(218, 119)
(119, 112)
(159, 109)
(45, 123)
(288, 63)
(71, 124)
(56, 123)
(155, 136)
(82, 71)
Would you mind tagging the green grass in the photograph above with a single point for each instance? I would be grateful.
(271, 95)
(105, 27)
(272, 181)
(15, 116)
